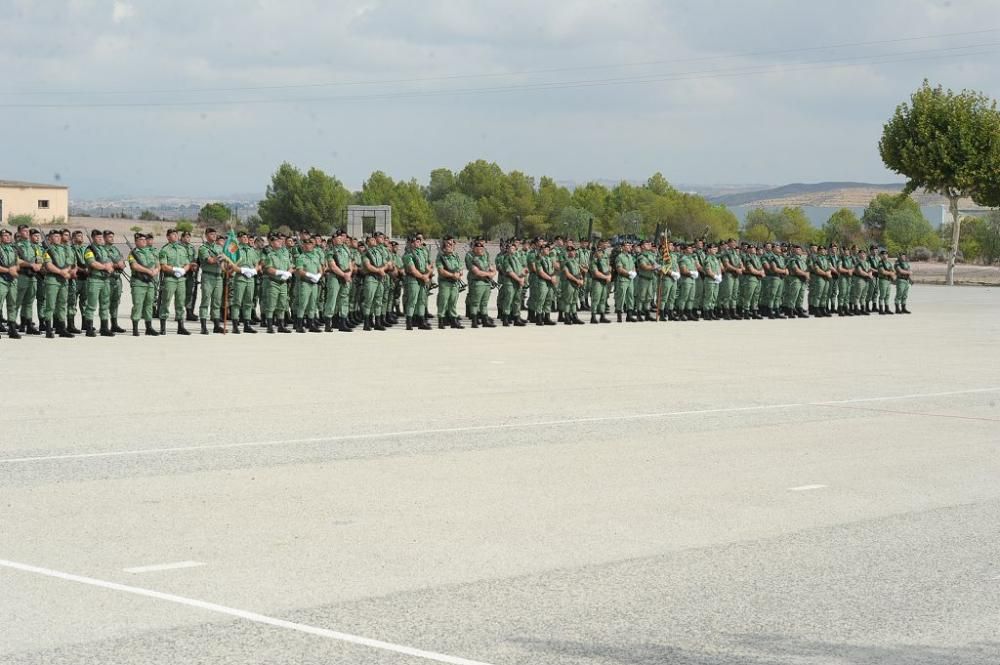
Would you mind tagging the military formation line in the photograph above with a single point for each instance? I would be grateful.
(305, 283)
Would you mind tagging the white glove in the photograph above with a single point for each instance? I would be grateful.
(675, 276)
(717, 279)
(694, 274)
(179, 272)
(313, 277)
(284, 275)
(632, 274)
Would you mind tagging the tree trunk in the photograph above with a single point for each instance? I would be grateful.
(955, 233)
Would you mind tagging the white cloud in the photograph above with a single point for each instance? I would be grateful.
(122, 11)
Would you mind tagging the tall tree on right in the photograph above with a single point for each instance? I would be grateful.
(947, 143)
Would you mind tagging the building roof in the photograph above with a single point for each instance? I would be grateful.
(29, 185)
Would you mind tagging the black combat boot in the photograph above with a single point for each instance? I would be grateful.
(247, 328)
(593, 318)
(204, 326)
(269, 324)
(603, 318)
(71, 327)
(47, 329)
(12, 330)
(236, 326)
(619, 316)
(150, 331)
(455, 323)
(421, 323)
(475, 321)
(368, 323)
(314, 326)
(61, 330)
(106, 329)
(191, 316)
(342, 325)
(897, 308)
(487, 322)
(217, 327)
(329, 324)
(181, 330)
(409, 323)
(887, 310)
(903, 310)
(89, 327)
(135, 329)
(548, 319)
(29, 327)
(163, 326)
(115, 328)
(299, 328)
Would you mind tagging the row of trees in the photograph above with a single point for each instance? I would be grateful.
(482, 199)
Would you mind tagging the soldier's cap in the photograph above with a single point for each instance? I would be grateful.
(21, 227)
(242, 234)
(873, 246)
(35, 232)
(393, 243)
(169, 231)
(882, 251)
(379, 234)
(95, 233)
(570, 247)
(185, 234)
(108, 232)
(309, 240)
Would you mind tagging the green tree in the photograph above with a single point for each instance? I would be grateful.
(877, 212)
(988, 235)
(457, 215)
(843, 228)
(184, 226)
(658, 185)
(441, 184)
(905, 229)
(572, 222)
(593, 197)
(213, 213)
(312, 201)
(411, 212)
(148, 216)
(946, 142)
(377, 190)
(969, 248)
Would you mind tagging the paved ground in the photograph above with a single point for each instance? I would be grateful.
(778, 492)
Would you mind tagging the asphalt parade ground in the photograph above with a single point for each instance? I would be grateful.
(803, 492)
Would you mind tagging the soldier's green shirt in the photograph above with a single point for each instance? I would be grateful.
(279, 259)
(647, 261)
(735, 259)
(686, 262)
(27, 251)
(796, 262)
(206, 251)
(779, 262)
(821, 262)
(546, 264)
(713, 264)
(96, 254)
(8, 255)
(376, 257)
(600, 263)
(416, 260)
(145, 256)
(174, 254)
(572, 266)
(449, 262)
(753, 261)
(481, 262)
(311, 261)
(341, 255)
(901, 265)
(626, 262)
(247, 256)
(78, 252)
(59, 255)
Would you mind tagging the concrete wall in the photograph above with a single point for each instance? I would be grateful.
(29, 201)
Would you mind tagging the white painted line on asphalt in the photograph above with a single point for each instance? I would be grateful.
(478, 428)
(806, 488)
(164, 566)
(243, 614)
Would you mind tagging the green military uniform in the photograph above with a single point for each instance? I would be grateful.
(569, 299)
(645, 282)
(478, 297)
(668, 279)
(599, 263)
(902, 285)
(686, 286)
(624, 293)
(414, 288)
(277, 288)
(860, 284)
(307, 292)
(833, 300)
(885, 283)
(584, 254)
(211, 282)
(447, 297)
(114, 286)
(750, 285)
(795, 285)
(777, 289)
(175, 255)
(819, 285)
(27, 278)
(338, 289)
(8, 288)
(710, 289)
(871, 295)
(190, 279)
(78, 290)
(243, 287)
(729, 290)
(98, 289)
(143, 287)
(373, 287)
(56, 289)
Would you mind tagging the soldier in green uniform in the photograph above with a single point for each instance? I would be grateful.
(862, 275)
(750, 288)
(601, 276)
(309, 270)
(886, 278)
(687, 266)
(821, 274)
(699, 254)
(277, 271)
(71, 296)
(572, 283)
(904, 277)
(546, 281)
(481, 275)
(244, 282)
(114, 280)
(624, 272)
(712, 277)
(40, 246)
(795, 283)
(339, 273)
(845, 281)
(374, 262)
(871, 294)
(29, 267)
(144, 265)
(668, 277)
(58, 263)
(732, 279)
(210, 261)
(557, 254)
(98, 290)
(645, 282)
(190, 276)
(449, 269)
(583, 253)
(417, 274)
(78, 287)
(8, 283)
(175, 260)
(513, 279)
(832, 303)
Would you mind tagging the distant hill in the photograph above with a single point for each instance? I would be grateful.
(828, 195)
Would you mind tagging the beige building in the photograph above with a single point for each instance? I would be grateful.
(47, 204)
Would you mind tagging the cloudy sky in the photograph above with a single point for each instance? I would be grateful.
(189, 97)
